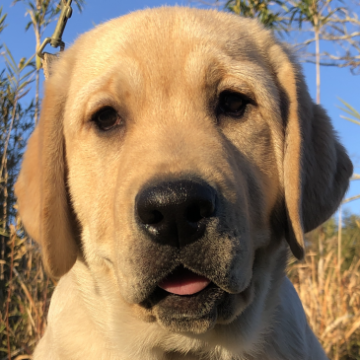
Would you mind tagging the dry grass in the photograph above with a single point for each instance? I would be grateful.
(331, 300)
(27, 296)
(330, 296)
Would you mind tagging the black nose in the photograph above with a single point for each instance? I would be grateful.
(176, 213)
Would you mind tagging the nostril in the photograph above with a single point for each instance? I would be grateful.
(150, 217)
(198, 211)
(193, 213)
(207, 209)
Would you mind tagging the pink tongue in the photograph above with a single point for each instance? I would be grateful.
(184, 282)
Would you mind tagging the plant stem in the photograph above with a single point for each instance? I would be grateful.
(37, 105)
(13, 235)
(317, 54)
(8, 136)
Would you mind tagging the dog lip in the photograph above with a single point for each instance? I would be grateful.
(183, 281)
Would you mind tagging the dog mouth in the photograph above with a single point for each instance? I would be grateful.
(183, 281)
(184, 301)
(183, 293)
(180, 288)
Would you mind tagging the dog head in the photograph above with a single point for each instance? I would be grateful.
(175, 146)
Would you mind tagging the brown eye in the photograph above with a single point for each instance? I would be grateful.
(106, 118)
(232, 104)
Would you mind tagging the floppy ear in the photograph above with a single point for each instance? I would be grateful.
(43, 201)
(316, 166)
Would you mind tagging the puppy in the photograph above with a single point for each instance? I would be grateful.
(177, 159)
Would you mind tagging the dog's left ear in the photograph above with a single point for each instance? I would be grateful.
(316, 166)
(41, 188)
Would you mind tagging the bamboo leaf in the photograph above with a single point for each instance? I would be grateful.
(28, 61)
(26, 75)
(21, 86)
(10, 67)
(28, 25)
(8, 53)
(351, 110)
(2, 19)
(349, 119)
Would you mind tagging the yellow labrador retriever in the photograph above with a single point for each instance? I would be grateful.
(177, 157)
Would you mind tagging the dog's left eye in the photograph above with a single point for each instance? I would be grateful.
(106, 118)
(232, 104)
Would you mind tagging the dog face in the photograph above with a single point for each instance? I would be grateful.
(175, 150)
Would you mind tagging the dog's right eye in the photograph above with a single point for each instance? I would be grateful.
(106, 118)
(232, 104)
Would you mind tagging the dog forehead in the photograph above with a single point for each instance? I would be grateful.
(166, 51)
(165, 37)
(176, 57)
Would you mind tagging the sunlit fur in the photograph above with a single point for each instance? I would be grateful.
(279, 172)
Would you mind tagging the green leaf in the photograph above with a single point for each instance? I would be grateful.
(351, 110)
(28, 26)
(28, 61)
(8, 53)
(26, 75)
(21, 86)
(349, 119)
(10, 66)
(38, 63)
(2, 19)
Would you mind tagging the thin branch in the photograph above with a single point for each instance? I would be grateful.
(344, 20)
(343, 37)
(13, 235)
(351, 199)
(8, 136)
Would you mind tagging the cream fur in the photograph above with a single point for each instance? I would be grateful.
(279, 169)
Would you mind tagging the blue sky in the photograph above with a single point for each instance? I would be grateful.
(335, 83)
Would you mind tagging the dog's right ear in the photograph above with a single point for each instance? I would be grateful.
(316, 167)
(41, 189)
